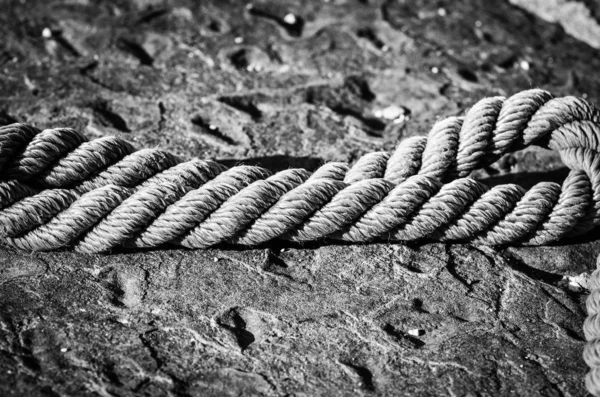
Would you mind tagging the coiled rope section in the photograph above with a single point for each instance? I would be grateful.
(58, 189)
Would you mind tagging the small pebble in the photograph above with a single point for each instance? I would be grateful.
(238, 40)
(416, 332)
(254, 68)
(390, 113)
(398, 114)
(64, 349)
(442, 12)
(524, 65)
(215, 259)
(290, 19)
(46, 33)
(577, 283)
(435, 70)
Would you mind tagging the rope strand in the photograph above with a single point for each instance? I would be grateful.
(58, 189)
(591, 330)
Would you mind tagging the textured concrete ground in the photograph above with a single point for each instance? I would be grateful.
(290, 83)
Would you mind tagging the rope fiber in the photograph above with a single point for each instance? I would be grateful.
(58, 189)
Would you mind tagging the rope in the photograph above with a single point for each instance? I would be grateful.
(58, 189)
(591, 330)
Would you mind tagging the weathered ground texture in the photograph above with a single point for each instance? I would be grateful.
(218, 79)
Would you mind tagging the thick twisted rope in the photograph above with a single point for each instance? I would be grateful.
(591, 330)
(58, 189)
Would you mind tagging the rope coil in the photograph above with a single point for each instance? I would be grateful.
(58, 189)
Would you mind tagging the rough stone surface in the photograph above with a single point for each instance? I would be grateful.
(289, 83)
(574, 16)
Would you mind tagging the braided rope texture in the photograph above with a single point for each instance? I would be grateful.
(591, 330)
(58, 189)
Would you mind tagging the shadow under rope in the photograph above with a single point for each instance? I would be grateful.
(528, 179)
(276, 163)
(282, 162)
